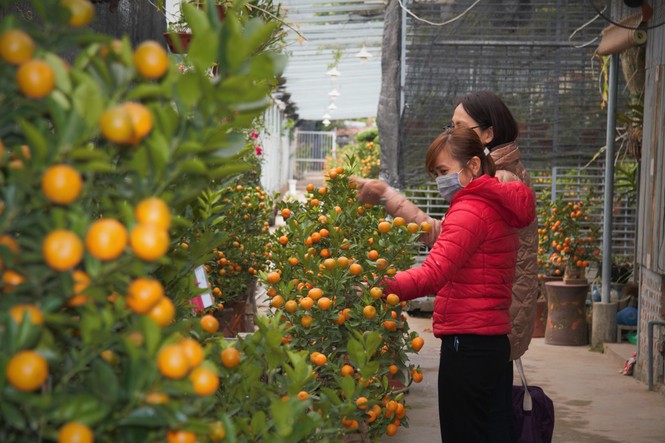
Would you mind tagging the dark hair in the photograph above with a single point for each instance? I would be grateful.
(463, 144)
(486, 108)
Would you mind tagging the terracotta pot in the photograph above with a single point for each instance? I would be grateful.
(171, 37)
(221, 11)
(566, 314)
(238, 316)
(540, 320)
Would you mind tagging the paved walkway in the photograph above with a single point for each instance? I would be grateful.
(593, 402)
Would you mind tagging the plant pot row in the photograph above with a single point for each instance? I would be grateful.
(178, 41)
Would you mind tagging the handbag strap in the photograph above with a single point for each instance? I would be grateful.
(527, 404)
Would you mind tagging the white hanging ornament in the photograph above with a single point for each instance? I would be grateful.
(364, 54)
(334, 73)
(333, 94)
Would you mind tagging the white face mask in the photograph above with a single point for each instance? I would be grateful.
(449, 184)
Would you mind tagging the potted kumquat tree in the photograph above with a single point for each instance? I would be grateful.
(330, 259)
(102, 158)
(568, 240)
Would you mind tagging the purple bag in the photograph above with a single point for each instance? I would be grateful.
(534, 412)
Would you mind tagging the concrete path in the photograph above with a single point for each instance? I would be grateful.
(593, 402)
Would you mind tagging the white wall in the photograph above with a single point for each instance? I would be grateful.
(275, 169)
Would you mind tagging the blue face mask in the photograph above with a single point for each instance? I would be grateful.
(449, 184)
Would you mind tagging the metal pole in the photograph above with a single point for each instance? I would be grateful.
(609, 179)
(402, 61)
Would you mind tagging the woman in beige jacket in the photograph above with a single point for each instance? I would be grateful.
(485, 113)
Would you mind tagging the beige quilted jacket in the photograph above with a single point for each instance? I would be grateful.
(525, 287)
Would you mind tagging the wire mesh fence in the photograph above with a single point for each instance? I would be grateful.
(530, 52)
(572, 184)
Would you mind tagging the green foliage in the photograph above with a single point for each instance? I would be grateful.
(101, 355)
(243, 214)
(365, 150)
(567, 235)
(336, 256)
(626, 181)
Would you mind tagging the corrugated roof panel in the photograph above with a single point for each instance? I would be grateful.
(328, 27)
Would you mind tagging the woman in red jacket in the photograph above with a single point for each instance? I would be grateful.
(490, 118)
(470, 268)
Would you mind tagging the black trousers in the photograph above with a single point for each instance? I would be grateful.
(503, 428)
(470, 369)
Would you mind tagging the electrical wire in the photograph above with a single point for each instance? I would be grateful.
(615, 23)
(447, 22)
(570, 37)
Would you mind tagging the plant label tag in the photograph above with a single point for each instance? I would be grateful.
(205, 300)
(200, 302)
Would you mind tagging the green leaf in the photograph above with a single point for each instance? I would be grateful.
(282, 413)
(188, 147)
(90, 328)
(372, 342)
(356, 352)
(23, 336)
(348, 386)
(36, 140)
(145, 416)
(103, 382)
(88, 153)
(228, 170)
(332, 395)
(250, 106)
(196, 18)
(166, 120)
(256, 34)
(74, 130)
(135, 434)
(152, 334)
(234, 50)
(203, 49)
(96, 166)
(62, 80)
(146, 90)
(11, 415)
(188, 90)
(300, 371)
(138, 373)
(369, 369)
(235, 148)
(88, 102)
(259, 422)
(62, 105)
(83, 408)
(193, 166)
(157, 149)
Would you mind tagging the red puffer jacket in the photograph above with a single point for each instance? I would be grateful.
(471, 266)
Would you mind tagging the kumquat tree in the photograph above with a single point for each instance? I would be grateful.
(330, 259)
(118, 175)
(568, 240)
(365, 149)
(104, 149)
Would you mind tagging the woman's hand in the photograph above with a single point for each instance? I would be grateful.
(370, 191)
